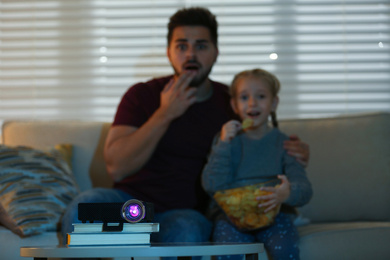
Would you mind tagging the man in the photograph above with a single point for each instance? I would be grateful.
(163, 129)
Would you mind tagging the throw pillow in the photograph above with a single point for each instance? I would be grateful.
(35, 188)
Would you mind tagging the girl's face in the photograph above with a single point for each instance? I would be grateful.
(254, 100)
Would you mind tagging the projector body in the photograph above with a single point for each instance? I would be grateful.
(132, 211)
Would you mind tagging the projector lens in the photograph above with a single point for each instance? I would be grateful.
(133, 211)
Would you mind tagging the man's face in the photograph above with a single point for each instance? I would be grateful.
(191, 48)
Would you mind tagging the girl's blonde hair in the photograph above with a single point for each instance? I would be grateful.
(271, 80)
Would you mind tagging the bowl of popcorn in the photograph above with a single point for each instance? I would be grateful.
(241, 206)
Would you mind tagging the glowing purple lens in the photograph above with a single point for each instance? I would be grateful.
(134, 210)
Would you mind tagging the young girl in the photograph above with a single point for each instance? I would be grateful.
(243, 156)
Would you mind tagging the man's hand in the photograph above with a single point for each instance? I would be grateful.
(176, 96)
(300, 150)
(229, 130)
(279, 194)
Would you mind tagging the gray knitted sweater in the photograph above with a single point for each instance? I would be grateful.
(246, 161)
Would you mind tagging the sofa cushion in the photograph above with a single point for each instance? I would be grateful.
(35, 188)
(349, 166)
(353, 240)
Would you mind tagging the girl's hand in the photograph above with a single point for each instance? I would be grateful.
(229, 130)
(278, 196)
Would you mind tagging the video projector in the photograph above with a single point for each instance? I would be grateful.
(132, 211)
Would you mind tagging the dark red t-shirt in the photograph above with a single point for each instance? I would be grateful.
(171, 178)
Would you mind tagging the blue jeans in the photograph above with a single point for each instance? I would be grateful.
(179, 225)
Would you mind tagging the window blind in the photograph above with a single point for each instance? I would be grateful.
(75, 59)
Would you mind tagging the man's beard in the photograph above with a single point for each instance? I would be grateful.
(198, 80)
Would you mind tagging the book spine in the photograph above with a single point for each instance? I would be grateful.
(130, 228)
(107, 239)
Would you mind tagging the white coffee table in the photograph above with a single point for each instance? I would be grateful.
(252, 251)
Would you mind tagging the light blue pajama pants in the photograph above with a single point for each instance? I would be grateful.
(280, 239)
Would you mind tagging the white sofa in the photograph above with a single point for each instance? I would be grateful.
(349, 169)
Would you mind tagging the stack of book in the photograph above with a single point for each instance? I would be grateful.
(87, 234)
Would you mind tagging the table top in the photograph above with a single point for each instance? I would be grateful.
(154, 249)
